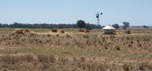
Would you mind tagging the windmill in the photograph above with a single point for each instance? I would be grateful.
(98, 18)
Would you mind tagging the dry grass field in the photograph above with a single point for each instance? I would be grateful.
(71, 50)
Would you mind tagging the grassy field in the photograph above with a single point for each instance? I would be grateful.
(71, 50)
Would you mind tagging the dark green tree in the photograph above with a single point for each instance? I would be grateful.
(115, 26)
(126, 25)
(0, 25)
(144, 26)
(81, 24)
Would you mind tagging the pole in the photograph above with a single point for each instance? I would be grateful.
(98, 22)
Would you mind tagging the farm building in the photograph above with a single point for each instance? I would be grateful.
(109, 30)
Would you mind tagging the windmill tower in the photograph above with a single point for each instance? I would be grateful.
(98, 18)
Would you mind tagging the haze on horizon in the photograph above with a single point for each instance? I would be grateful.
(136, 12)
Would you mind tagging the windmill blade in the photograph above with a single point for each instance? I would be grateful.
(97, 15)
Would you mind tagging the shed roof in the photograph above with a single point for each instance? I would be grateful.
(108, 27)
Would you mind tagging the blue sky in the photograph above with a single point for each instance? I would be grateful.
(137, 12)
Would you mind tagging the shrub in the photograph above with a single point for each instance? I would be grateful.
(46, 59)
(86, 36)
(127, 32)
(26, 31)
(139, 45)
(81, 30)
(67, 35)
(117, 47)
(106, 48)
(129, 45)
(82, 59)
(126, 67)
(48, 35)
(62, 31)
(54, 30)
(87, 31)
(9, 59)
(18, 31)
(57, 35)
(26, 58)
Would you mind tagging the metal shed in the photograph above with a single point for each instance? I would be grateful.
(109, 30)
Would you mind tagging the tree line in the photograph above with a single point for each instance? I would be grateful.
(79, 24)
(46, 25)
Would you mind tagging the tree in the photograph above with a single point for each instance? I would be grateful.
(81, 24)
(115, 26)
(0, 25)
(126, 25)
(144, 26)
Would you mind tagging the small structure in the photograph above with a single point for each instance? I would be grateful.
(109, 30)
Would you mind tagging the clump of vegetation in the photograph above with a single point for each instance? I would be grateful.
(26, 31)
(14, 59)
(81, 30)
(127, 32)
(18, 31)
(87, 31)
(117, 47)
(54, 30)
(68, 36)
(46, 59)
(62, 31)
(81, 24)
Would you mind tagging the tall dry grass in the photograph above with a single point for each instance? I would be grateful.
(75, 51)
